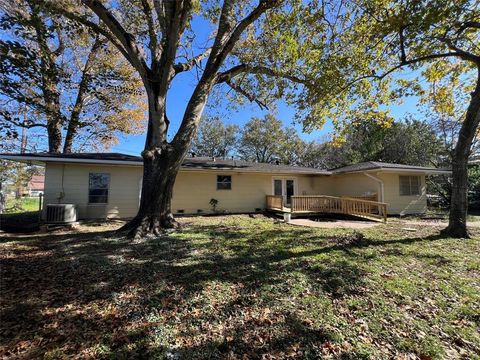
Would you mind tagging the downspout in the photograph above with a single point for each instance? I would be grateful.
(380, 182)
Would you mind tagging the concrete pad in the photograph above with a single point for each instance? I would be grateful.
(331, 224)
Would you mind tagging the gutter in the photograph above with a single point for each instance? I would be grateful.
(380, 182)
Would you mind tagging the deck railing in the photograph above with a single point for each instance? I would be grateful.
(275, 202)
(372, 197)
(331, 204)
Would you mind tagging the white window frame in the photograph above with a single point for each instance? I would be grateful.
(410, 185)
(284, 185)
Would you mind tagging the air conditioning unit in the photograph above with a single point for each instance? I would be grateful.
(61, 213)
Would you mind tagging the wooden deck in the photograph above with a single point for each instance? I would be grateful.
(323, 204)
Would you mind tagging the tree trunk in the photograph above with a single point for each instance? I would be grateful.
(457, 223)
(54, 137)
(80, 100)
(161, 162)
(160, 169)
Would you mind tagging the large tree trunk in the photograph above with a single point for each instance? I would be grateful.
(160, 169)
(457, 224)
(161, 162)
(54, 136)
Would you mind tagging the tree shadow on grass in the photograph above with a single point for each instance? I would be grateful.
(71, 289)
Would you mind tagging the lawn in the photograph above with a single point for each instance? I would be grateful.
(234, 287)
(23, 204)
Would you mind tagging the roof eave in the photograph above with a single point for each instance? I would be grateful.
(397, 170)
(42, 160)
(407, 170)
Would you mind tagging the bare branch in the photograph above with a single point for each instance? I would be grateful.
(249, 96)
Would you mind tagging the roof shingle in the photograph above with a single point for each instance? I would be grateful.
(373, 165)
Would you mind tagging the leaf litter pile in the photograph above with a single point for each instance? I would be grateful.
(234, 287)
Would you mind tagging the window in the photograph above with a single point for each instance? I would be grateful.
(98, 188)
(224, 182)
(409, 185)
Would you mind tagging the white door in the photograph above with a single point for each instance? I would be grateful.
(285, 187)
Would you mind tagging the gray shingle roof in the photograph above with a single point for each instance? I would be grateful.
(234, 164)
(85, 156)
(189, 163)
(374, 165)
(218, 164)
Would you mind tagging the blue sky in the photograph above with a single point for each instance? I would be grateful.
(178, 98)
(183, 85)
(182, 88)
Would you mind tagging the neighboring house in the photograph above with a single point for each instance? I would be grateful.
(35, 186)
(108, 185)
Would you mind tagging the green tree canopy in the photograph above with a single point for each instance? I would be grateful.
(214, 138)
(266, 140)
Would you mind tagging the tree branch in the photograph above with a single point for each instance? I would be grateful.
(61, 46)
(22, 124)
(262, 7)
(153, 43)
(249, 96)
(461, 53)
(402, 64)
(180, 67)
(177, 14)
(136, 58)
(244, 68)
(467, 25)
(91, 25)
(403, 55)
(222, 46)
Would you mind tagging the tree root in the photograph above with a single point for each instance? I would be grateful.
(142, 226)
(457, 232)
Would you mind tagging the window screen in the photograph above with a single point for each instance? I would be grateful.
(409, 185)
(98, 188)
(224, 182)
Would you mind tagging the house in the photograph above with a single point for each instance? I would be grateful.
(108, 185)
(35, 186)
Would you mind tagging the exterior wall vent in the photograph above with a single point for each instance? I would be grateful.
(61, 213)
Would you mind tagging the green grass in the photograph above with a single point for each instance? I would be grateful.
(237, 287)
(474, 215)
(23, 204)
